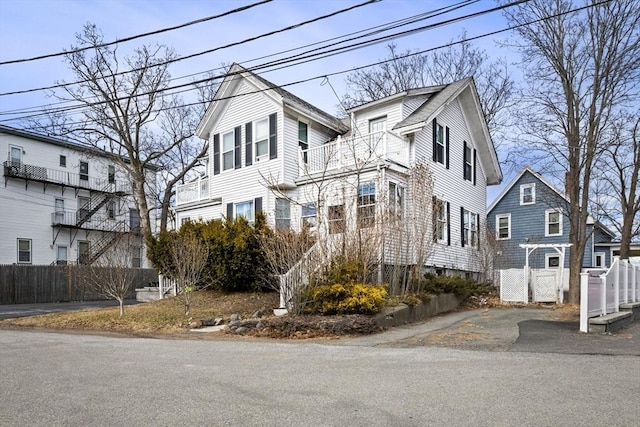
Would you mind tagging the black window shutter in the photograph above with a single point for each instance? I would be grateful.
(462, 226)
(273, 137)
(464, 160)
(435, 140)
(216, 154)
(447, 148)
(229, 211)
(475, 162)
(237, 145)
(248, 139)
(478, 229)
(448, 225)
(434, 217)
(257, 204)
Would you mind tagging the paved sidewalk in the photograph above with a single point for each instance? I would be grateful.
(539, 330)
(24, 310)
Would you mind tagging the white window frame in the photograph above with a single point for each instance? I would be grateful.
(396, 201)
(224, 152)
(184, 220)
(602, 256)
(261, 140)
(508, 218)
(15, 149)
(367, 204)
(28, 251)
(470, 229)
(442, 225)
(523, 188)
(245, 210)
(308, 215)
(548, 257)
(63, 161)
(283, 213)
(81, 254)
(547, 223)
(303, 143)
(441, 144)
(62, 260)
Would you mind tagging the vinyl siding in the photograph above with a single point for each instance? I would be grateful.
(27, 207)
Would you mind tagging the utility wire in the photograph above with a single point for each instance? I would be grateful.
(182, 58)
(368, 31)
(324, 76)
(127, 39)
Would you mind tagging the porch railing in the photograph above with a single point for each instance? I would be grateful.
(355, 151)
(601, 294)
(193, 191)
(56, 176)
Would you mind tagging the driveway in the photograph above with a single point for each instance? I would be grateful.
(24, 310)
(537, 330)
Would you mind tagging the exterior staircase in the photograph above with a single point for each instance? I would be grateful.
(108, 239)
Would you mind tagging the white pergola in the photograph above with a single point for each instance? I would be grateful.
(560, 248)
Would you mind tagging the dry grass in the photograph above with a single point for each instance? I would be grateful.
(159, 317)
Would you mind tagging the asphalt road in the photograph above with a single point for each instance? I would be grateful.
(82, 380)
(24, 310)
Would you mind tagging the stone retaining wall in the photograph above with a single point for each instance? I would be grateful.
(404, 313)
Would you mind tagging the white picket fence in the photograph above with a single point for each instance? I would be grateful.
(167, 286)
(602, 293)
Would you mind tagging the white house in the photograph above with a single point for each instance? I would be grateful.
(273, 152)
(64, 203)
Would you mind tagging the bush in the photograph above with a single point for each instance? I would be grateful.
(457, 285)
(236, 260)
(349, 298)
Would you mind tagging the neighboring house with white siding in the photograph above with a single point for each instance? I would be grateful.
(270, 151)
(64, 203)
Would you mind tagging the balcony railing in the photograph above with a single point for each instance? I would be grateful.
(74, 219)
(193, 191)
(61, 177)
(354, 152)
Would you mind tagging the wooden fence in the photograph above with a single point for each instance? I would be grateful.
(29, 284)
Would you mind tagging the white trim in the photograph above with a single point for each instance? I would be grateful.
(232, 150)
(547, 258)
(546, 222)
(523, 187)
(498, 217)
(595, 259)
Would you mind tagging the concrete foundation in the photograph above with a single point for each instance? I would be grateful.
(403, 314)
(147, 294)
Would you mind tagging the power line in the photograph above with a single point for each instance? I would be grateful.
(368, 31)
(509, 28)
(127, 39)
(182, 58)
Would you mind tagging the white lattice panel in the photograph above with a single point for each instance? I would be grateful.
(544, 284)
(512, 286)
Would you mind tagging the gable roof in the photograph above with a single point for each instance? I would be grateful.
(285, 97)
(439, 98)
(429, 90)
(524, 170)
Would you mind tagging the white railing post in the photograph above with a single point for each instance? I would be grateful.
(584, 302)
(625, 280)
(616, 285)
(603, 294)
(635, 282)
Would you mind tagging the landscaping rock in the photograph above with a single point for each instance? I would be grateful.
(234, 324)
(234, 317)
(241, 330)
(258, 314)
(218, 321)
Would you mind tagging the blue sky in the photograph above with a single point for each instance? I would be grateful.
(36, 27)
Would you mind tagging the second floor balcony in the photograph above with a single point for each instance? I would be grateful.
(13, 169)
(354, 152)
(193, 191)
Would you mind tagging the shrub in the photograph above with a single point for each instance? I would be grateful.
(457, 285)
(349, 298)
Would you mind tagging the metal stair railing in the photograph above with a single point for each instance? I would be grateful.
(111, 236)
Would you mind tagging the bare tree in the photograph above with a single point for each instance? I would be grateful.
(189, 256)
(580, 68)
(112, 275)
(125, 110)
(616, 188)
(407, 70)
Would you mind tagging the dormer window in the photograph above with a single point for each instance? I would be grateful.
(527, 194)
